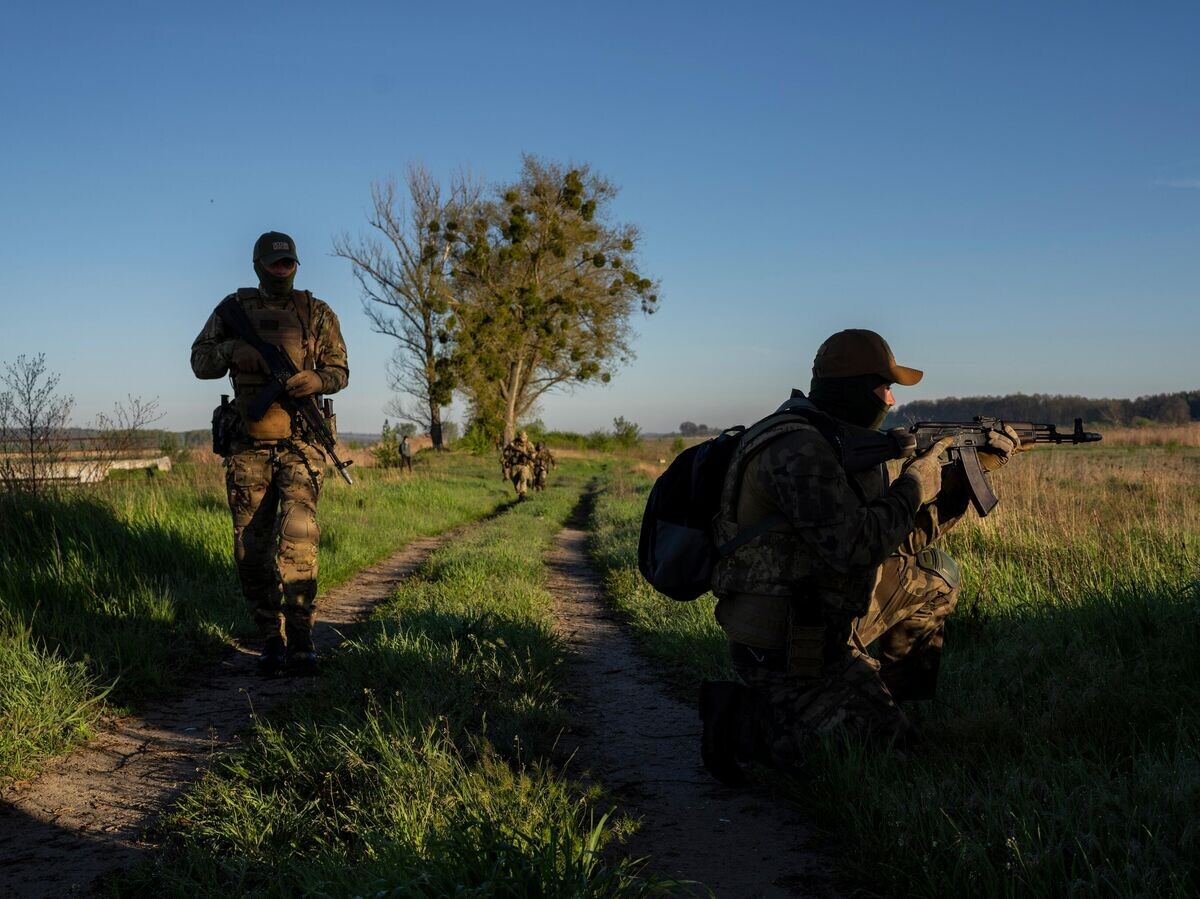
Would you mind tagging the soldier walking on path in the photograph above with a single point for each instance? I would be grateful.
(543, 461)
(518, 462)
(406, 454)
(273, 467)
(851, 559)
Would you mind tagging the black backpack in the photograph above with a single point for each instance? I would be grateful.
(676, 551)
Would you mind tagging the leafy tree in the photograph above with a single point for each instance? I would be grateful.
(546, 286)
(404, 273)
(626, 434)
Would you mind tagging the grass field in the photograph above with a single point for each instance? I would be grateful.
(419, 765)
(1063, 754)
(111, 594)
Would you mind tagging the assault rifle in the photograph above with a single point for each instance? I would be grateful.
(862, 451)
(282, 368)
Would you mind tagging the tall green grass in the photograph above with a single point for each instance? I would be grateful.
(418, 765)
(1062, 756)
(123, 589)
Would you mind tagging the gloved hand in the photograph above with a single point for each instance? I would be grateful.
(1001, 446)
(304, 383)
(926, 470)
(246, 358)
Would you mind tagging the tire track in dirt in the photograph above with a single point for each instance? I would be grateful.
(643, 746)
(84, 817)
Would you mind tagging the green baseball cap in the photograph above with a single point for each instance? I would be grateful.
(273, 246)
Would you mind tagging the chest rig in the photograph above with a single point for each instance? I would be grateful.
(284, 322)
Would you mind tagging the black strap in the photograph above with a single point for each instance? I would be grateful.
(757, 529)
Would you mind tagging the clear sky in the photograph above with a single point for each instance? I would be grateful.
(1009, 192)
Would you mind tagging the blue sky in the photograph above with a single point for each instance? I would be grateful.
(1010, 193)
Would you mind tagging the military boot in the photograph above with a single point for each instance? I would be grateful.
(273, 657)
(719, 702)
(301, 653)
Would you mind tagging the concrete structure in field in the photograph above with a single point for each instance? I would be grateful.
(82, 471)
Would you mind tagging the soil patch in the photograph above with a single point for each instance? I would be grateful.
(84, 817)
(643, 746)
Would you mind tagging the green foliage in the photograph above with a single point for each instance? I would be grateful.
(626, 434)
(677, 446)
(387, 450)
(537, 304)
(129, 587)
(419, 764)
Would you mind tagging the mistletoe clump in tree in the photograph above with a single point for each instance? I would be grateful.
(545, 287)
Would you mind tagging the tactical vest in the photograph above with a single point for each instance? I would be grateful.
(775, 563)
(286, 323)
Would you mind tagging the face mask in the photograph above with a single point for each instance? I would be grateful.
(851, 399)
(273, 284)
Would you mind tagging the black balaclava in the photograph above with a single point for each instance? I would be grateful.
(851, 399)
(273, 285)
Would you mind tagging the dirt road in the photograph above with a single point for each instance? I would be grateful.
(84, 817)
(643, 746)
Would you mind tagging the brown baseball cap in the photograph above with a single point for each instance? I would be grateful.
(857, 351)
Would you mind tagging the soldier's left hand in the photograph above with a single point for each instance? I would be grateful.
(303, 383)
(1001, 446)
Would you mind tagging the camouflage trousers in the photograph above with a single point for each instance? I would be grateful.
(539, 477)
(850, 690)
(273, 493)
(522, 476)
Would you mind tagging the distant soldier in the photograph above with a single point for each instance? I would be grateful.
(518, 462)
(273, 469)
(543, 461)
(406, 453)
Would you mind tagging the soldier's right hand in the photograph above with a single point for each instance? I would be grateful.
(926, 469)
(246, 358)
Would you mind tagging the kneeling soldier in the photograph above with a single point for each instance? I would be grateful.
(273, 469)
(852, 561)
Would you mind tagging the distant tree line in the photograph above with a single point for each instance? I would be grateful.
(691, 429)
(1163, 408)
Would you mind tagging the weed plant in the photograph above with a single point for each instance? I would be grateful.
(416, 767)
(1062, 757)
(123, 589)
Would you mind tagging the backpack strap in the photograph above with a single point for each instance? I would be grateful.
(793, 415)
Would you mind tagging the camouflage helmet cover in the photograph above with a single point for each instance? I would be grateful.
(857, 351)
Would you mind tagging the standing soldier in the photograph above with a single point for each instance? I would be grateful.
(406, 453)
(518, 462)
(273, 469)
(543, 461)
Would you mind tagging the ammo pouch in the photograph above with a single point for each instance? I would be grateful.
(939, 562)
(805, 649)
(226, 424)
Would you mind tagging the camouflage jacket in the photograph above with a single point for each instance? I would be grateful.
(210, 350)
(517, 454)
(301, 325)
(839, 528)
(543, 459)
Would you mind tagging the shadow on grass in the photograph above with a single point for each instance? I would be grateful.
(137, 603)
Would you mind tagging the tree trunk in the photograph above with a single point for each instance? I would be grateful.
(510, 402)
(435, 425)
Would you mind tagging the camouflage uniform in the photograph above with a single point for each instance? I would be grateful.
(853, 564)
(273, 475)
(518, 461)
(543, 461)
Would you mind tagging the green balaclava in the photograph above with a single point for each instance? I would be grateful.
(852, 399)
(271, 247)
